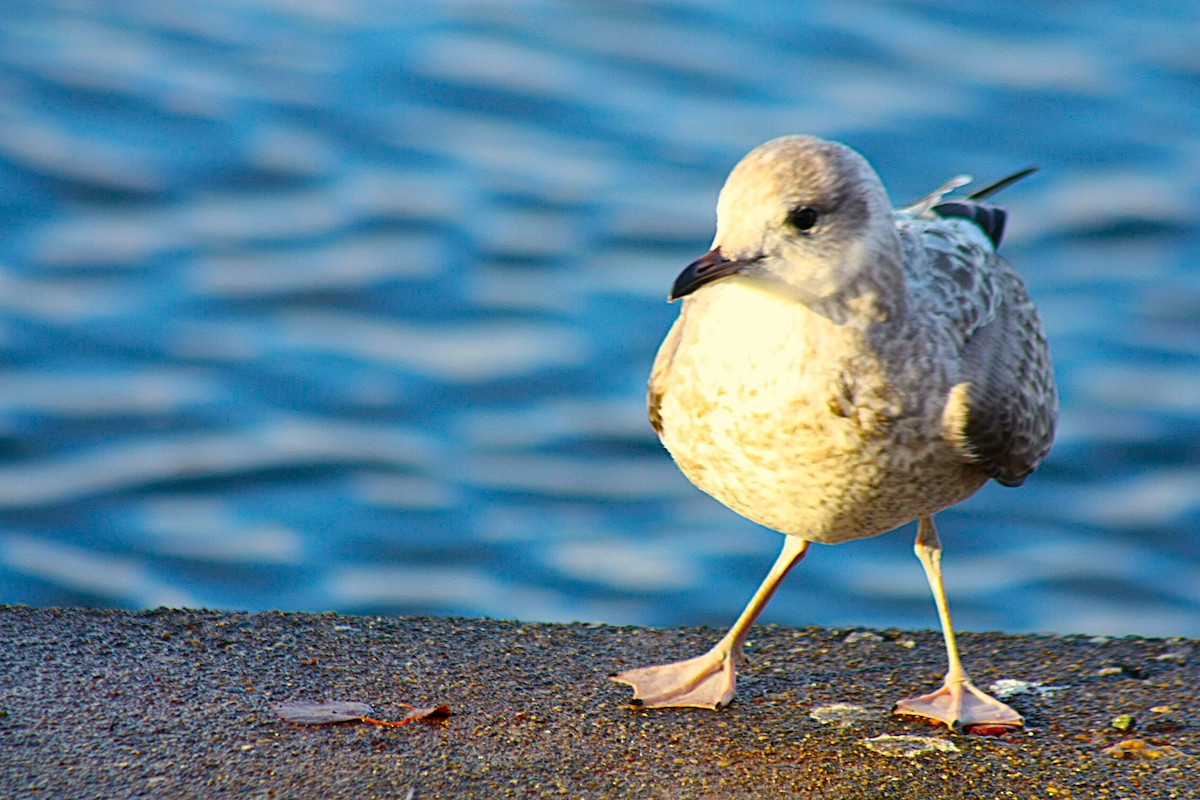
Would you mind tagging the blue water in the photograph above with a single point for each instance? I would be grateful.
(350, 306)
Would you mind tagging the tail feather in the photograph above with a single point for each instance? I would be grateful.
(989, 218)
(1001, 184)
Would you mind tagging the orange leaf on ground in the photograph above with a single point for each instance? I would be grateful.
(431, 714)
(991, 729)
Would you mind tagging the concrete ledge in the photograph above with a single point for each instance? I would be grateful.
(163, 704)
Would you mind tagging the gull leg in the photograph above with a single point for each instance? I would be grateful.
(709, 681)
(958, 703)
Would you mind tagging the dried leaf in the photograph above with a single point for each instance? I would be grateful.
(431, 714)
(990, 728)
(306, 712)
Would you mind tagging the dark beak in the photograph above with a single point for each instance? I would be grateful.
(711, 266)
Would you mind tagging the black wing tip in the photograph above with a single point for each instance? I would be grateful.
(1003, 183)
(990, 219)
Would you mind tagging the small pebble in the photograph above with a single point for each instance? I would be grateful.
(1008, 687)
(1136, 749)
(1124, 722)
(841, 714)
(908, 746)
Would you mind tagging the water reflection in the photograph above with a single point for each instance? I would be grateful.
(351, 306)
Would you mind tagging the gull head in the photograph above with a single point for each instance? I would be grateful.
(802, 216)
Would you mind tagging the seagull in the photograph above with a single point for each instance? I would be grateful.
(840, 368)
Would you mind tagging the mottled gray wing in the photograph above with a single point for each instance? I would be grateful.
(658, 375)
(1012, 403)
(1002, 415)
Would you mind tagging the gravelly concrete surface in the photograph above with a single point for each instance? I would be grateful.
(167, 703)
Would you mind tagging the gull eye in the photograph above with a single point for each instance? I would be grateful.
(802, 218)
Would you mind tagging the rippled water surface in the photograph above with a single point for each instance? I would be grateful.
(317, 305)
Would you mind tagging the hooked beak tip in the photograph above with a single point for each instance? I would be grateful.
(711, 266)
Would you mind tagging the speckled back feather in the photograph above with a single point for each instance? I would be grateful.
(1011, 402)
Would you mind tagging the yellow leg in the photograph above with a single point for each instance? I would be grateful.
(710, 680)
(958, 703)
